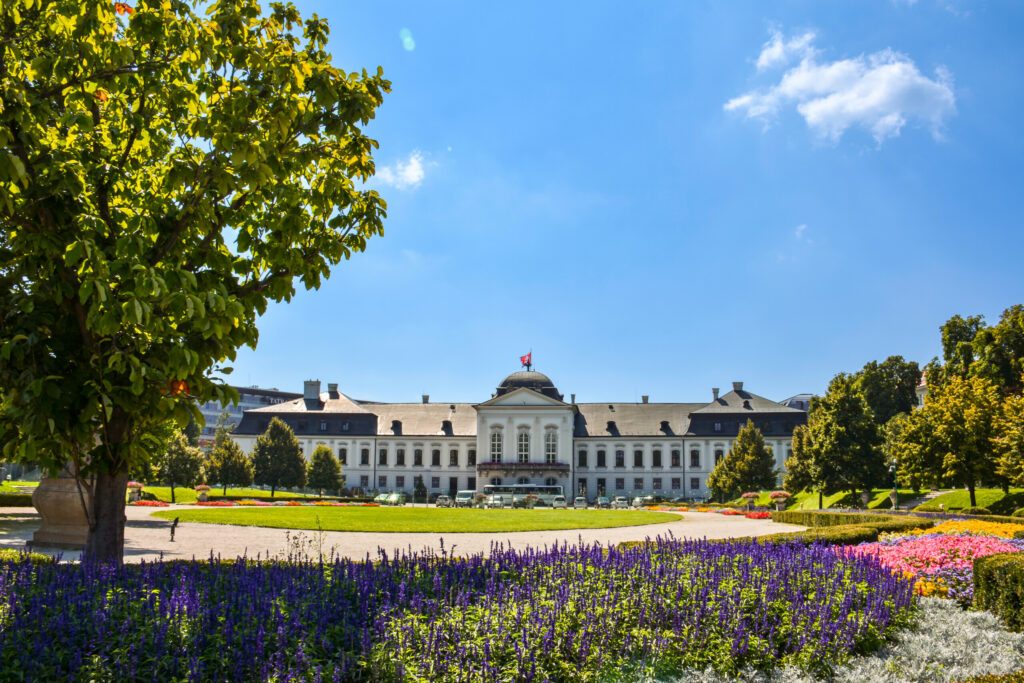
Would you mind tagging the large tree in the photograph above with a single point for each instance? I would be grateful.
(909, 444)
(277, 458)
(227, 462)
(166, 171)
(801, 469)
(889, 387)
(1009, 440)
(962, 416)
(844, 439)
(181, 464)
(748, 466)
(324, 471)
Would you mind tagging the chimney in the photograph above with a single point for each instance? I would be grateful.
(332, 389)
(737, 386)
(311, 390)
(426, 398)
(645, 398)
(572, 398)
(714, 393)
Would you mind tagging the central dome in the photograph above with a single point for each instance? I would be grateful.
(529, 379)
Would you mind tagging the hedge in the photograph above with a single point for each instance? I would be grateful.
(13, 555)
(1014, 677)
(812, 518)
(15, 500)
(999, 587)
(1018, 513)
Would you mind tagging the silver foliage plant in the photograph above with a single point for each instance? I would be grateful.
(946, 644)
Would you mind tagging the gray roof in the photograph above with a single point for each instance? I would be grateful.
(425, 419)
(740, 402)
(612, 420)
(340, 404)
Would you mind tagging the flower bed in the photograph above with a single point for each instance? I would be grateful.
(974, 528)
(253, 503)
(149, 504)
(732, 512)
(567, 613)
(758, 515)
(216, 503)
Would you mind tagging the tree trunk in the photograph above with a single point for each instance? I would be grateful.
(974, 500)
(273, 487)
(172, 491)
(106, 529)
(225, 490)
(821, 500)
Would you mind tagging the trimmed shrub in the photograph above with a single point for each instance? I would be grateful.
(1018, 513)
(976, 511)
(849, 534)
(999, 587)
(1018, 534)
(1015, 677)
(812, 518)
(14, 555)
(15, 500)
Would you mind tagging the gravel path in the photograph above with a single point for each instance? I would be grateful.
(149, 539)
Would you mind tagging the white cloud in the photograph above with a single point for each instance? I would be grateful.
(880, 92)
(403, 174)
(800, 230)
(778, 51)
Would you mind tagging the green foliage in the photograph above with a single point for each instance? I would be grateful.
(1008, 440)
(976, 511)
(799, 465)
(180, 465)
(228, 464)
(165, 175)
(970, 348)
(993, 499)
(13, 555)
(848, 534)
(889, 387)
(823, 519)
(277, 458)
(1013, 677)
(1018, 513)
(843, 440)
(233, 493)
(324, 470)
(910, 444)
(999, 587)
(748, 466)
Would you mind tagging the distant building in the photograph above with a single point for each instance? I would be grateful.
(527, 434)
(249, 398)
(799, 402)
(921, 391)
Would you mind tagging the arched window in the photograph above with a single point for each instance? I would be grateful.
(496, 442)
(550, 481)
(550, 446)
(523, 445)
(496, 481)
(523, 480)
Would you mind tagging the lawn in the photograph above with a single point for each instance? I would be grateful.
(183, 494)
(993, 499)
(406, 519)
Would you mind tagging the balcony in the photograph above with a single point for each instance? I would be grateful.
(509, 468)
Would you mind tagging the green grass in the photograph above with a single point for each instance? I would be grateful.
(434, 520)
(993, 499)
(15, 486)
(184, 494)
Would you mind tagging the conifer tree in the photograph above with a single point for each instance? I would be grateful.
(324, 470)
(277, 458)
(228, 464)
(181, 464)
(748, 466)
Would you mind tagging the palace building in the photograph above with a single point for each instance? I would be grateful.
(527, 433)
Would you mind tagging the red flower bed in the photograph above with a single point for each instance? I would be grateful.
(216, 503)
(150, 504)
(731, 512)
(758, 515)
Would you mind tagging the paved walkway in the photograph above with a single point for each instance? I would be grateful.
(149, 539)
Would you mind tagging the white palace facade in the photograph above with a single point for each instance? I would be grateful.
(527, 433)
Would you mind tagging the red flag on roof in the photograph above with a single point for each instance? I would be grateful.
(527, 360)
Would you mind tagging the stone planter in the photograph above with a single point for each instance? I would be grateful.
(201, 496)
(65, 524)
(780, 505)
(865, 498)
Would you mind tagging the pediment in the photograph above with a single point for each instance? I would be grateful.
(521, 397)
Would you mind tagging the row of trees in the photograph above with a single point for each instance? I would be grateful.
(277, 462)
(969, 433)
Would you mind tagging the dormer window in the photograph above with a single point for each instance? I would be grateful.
(446, 427)
(718, 426)
(746, 404)
(396, 427)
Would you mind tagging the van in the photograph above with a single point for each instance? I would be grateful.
(464, 499)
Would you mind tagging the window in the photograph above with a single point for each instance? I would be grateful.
(435, 482)
(400, 457)
(601, 459)
(435, 457)
(382, 481)
(582, 459)
(550, 446)
(364, 480)
(471, 457)
(638, 483)
(676, 483)
(471, 483)
(656, 458)
(364, 457)
(675, 458)
(718, 455)
(718, 426)
(620, 458)
(496, 445)
(695, 458)
(638, 458)
(523, 445)
(343, 455)
(550, 481)
(344, 426)
(523, 480)
(400, 482)
(694, 484)
(417, 457)
(383, 459)
(323, 425)
(620, 484)
(453, 458)
(656, 483)
(601, 487)
(496, 481)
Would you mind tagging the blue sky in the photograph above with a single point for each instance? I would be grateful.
(663, 198)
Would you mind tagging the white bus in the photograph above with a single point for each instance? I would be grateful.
(513, 495)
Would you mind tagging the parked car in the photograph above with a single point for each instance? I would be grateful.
(638, 502)
(381, 499)
(602, 502)
(464, 499)
(443, 501)
(396, 499)
(497, 501)
(620, 503)
(558, 502)
(580, 503)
